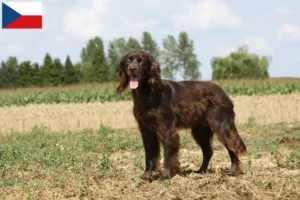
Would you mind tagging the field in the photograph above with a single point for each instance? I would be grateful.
(89, 93)
(85, 145)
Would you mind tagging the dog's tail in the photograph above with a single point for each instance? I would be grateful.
(227, 133)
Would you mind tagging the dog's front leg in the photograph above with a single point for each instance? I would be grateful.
(152, 152)
(171, 144)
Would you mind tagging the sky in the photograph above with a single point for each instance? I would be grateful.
(217, 27)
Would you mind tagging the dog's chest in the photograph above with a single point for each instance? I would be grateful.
(147, 107)
(145, 111)
(142, 111)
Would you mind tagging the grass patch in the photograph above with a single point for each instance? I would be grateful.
(86, 93)
(74, 95)
(107, 163)
(63, 151)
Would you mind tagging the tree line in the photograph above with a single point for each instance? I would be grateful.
(177, 58)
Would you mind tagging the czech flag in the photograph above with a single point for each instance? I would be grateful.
(22, 15)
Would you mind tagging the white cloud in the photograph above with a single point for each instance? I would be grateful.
(289, 33)
(61, 38)
(224, 50)
(85, 19)
(5, 36)
(135, 28)
(207, 14)
(283, 10)
(13, 49)
(258, 45)
(142, 24)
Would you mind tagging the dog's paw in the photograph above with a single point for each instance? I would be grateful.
(147, 176)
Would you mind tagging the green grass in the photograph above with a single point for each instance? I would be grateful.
(63, 151)
(106, 92)
(84, 95)
(275, 140)
(73, 163)
(79, 150)
(260, 87)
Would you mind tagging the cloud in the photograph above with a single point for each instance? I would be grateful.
(207, 14)
(85, 19)
(5, 36)
(224, 50)
(142, 24)
(258, 45)
(289, 32)
(283, 10)
(61, 38)
(12, 49)
(135, 28)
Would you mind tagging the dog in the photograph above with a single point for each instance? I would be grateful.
(162, 107)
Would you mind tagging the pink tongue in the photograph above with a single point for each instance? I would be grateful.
(134, 84)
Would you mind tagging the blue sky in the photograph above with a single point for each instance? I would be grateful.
(268, 27)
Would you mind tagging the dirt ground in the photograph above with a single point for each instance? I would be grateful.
(270, 172)
(266, 174)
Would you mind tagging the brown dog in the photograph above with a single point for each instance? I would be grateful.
(162, 106)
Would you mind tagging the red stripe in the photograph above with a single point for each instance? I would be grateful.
(26, 22)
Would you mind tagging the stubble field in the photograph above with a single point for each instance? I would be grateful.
(94, 151)
(262, 110)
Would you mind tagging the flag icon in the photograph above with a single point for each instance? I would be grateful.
(22, 15)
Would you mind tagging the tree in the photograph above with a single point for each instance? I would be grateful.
(169, 57)
(149, 44)
(132, 45)
(99, 67)
(93, 60)
(45, 71)
(240, 64)
(9, 72)
(70, 76)
(179, 57)
(57, 73)
(2, 82)
(88, 53)
(95, 67)
(78, 72)
(117, 48)
(187, 58)
(36, 77)
(25, 74)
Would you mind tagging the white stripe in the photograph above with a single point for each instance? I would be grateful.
(26, 8)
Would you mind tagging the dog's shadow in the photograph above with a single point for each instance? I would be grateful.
(184, 173)
(187, 172)
(223, 171)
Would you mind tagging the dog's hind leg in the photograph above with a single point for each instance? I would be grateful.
(228, 135)
(203, 135)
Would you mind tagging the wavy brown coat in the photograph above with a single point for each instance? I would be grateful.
(161, 107)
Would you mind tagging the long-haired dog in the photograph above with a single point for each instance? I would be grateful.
(161, 107)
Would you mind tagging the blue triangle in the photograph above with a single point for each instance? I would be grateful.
(8, 15)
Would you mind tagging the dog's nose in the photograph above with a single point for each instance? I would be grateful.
(132, 69)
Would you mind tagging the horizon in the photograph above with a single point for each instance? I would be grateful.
(216, 27)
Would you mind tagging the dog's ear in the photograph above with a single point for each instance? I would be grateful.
(122, 78)
(155, 73)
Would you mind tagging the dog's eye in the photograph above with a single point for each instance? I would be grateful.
(140, 60)
(128, 60)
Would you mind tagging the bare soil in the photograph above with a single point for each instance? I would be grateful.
(266, 176)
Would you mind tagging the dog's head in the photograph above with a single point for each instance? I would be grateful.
(138, 68)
